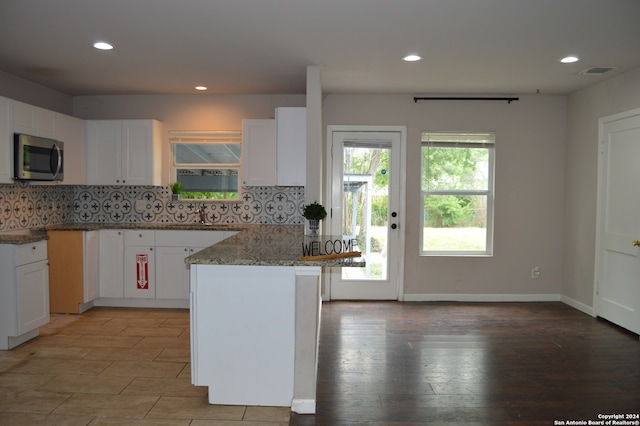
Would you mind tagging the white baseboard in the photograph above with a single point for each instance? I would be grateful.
(13, 341)
(141, 303)
(84, 307)
(482, 298)
(303, 406)
(578, 305)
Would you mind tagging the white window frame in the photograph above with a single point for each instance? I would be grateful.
(489, 192)
(207, 137)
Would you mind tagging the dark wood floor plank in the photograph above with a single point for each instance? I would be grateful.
(391, 363)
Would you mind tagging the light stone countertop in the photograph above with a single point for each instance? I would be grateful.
(30, 235)
(268, 245)
(21, 238)
(191, 226)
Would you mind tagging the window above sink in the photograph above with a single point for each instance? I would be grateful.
(207, 163)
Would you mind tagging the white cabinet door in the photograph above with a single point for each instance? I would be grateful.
(33, 120)
(124, 152)
(139, 272)
(172, 247)
(71, 132)
(141, 152)
(139, 264)
(6, 141)
(258, 152)
(172, 274)
(91, 249)
(33, 295)
(291, 137)
(104, 152)
(111, 264)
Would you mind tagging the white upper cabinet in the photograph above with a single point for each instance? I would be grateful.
(33, 120)
(6, 141)
(71, 132)
(274, 151)
(124, 152)
(259, 152)
(291, 137)
(18, 117)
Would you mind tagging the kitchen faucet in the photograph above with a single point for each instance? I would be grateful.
(201, 213)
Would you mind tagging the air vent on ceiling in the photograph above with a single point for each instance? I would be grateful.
(596, 70)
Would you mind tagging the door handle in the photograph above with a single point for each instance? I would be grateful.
(394, 226)
(636, 243)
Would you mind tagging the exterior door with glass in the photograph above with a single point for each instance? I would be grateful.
(366, 199)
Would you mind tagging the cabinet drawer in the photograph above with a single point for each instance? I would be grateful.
(33, 252)
(139, 238)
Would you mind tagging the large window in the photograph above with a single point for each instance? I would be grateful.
(457, 193)
(207, 164)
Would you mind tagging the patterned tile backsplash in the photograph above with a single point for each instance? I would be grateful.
(26, 206)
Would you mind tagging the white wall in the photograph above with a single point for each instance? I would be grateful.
(586, 107)
(529, 191)
(184, 112)
(31, 93)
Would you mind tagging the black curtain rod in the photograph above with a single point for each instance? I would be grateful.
(451, 98)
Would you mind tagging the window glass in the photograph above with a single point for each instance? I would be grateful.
(457, 193)
(207, 164)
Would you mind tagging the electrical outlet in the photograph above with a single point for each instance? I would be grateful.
(535, 272)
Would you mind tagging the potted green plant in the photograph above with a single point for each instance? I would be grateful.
(176, 189)
(314, 213)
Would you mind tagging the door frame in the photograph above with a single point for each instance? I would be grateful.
(601, 193)
(328, 184)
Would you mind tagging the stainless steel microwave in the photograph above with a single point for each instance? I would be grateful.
(37, 158)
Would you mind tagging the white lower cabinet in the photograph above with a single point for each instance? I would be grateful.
(139, 265)
(24, 292)
(146, 268)
(172, 247)
(33, 295)
(246, 317)
(172, 274)
(91, 250)
(111, 264)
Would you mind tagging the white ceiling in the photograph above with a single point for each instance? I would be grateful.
(265, 46)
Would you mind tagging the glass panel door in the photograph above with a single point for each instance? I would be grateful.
(365, 205)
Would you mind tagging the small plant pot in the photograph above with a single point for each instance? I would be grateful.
(314, 225)
(175, 197)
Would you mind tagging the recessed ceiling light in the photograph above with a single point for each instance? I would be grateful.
(412, 58)
(569, 59)
(201, 87)
(102, 45)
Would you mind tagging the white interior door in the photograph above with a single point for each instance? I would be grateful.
(366, 199)
(618, 253)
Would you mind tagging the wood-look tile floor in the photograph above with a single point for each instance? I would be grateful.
(381, 363)
(114, 367)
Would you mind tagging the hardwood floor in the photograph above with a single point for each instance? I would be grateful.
(390, 363)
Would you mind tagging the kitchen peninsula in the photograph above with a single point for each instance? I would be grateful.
(255, 317)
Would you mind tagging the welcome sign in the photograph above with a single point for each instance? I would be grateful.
(329, 248)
